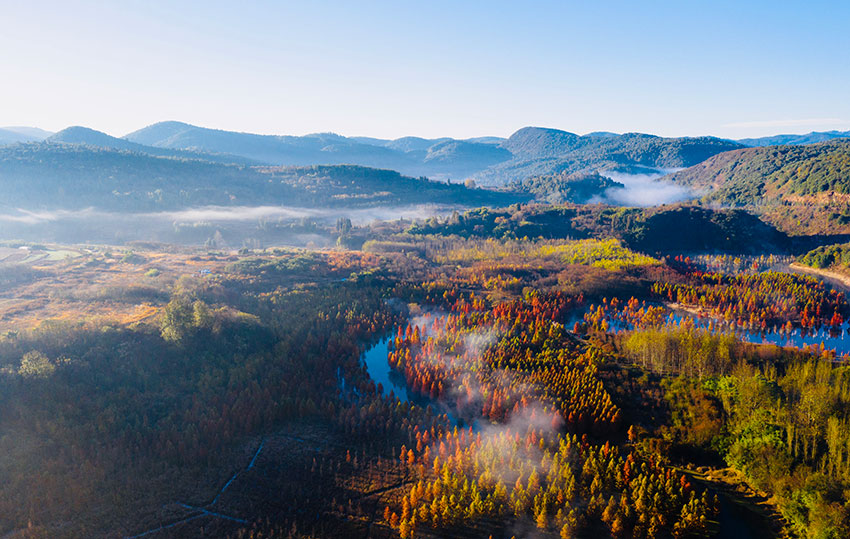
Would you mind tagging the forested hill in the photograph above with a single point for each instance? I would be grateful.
(531, 151)
(537, 151)
(73, 176)
(801, 189)
(579, 187)
(836, 256)
(660, 230)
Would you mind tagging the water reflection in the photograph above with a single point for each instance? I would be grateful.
(832, 338)
(378, 367)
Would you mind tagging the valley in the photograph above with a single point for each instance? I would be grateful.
(449, 352)
(192, 344)
(424, 270)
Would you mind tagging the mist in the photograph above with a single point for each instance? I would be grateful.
(224, 226)
(644, 190)
(469, 382)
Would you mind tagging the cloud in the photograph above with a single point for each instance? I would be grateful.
(235, 213)
(643, 190)
(788, 123)
(38, 217)
(232, 214)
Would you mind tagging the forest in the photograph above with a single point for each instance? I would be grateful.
(540, 386)
(424, 270)
(835, 256)
(800, 189)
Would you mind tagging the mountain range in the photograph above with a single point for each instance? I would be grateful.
(174, 164)
(529, 152)
(491, 161)
(439, 158)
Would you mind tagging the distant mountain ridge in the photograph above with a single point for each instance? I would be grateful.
(492, 161)
(16, 134)
(811, 138)
(33, 132)
(98, 139)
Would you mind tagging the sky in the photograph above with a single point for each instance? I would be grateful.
(458, 68)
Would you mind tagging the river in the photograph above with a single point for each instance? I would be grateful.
(378, 367)
(392, 382)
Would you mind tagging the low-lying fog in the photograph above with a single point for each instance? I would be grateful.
(260, 226)
(219, 226)
(644, 189)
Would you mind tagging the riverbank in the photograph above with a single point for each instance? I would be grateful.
(832, 276)
(681, 307)
(744, 512)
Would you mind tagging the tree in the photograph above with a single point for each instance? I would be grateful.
(201, 316)
(35, 364)
(343, 225)
(542, 520)
(177, 317)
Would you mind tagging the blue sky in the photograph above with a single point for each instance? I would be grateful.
(388, 69)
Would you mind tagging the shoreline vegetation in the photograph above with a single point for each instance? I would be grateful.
(835, 277)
